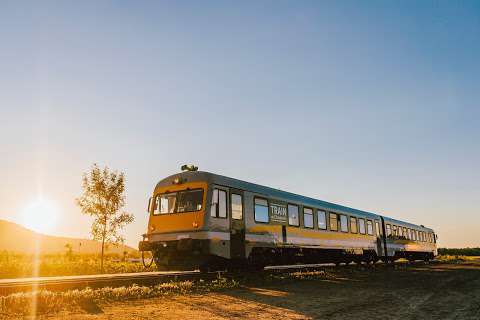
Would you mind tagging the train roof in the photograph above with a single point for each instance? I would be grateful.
(276, 193)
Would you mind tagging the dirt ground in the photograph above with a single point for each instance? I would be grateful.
(435, 291)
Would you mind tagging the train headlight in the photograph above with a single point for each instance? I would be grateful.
(152, 227)
(195, 224)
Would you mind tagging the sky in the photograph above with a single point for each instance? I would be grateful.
(372, 104)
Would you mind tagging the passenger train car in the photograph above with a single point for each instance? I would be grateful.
(208, 221)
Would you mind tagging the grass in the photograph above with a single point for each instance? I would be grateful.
(21, 265)
(454, 258)
(47, 302)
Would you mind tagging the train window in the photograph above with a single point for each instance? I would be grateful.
(389, 230)
(417, 235)
(333, 221)
(308, 218)
(261, 210)
(400, 232)
(293, 219)
(353, 225)
(166, 203)
(395, 231)
(343, 223)
(190, 200)
(237, 206)
(370, 227)
(322, 220)
(405, 233)
(219, 204)
(361, 226)
(178, 202)
(377, 228)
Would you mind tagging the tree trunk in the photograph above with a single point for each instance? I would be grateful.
(103, 241)
(103, 246)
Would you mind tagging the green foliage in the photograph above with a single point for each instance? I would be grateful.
(459, 251)
(46, 302)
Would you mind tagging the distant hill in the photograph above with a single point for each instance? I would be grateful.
(18, 239)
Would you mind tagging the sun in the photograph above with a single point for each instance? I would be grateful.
(40, 215)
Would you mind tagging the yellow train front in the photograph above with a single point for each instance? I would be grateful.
(200, 220)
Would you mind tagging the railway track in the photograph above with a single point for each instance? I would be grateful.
(8, 286)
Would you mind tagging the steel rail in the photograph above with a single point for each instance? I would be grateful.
(8, 286)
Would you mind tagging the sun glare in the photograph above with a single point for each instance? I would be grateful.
(40, 215)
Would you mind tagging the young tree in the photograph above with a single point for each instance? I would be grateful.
(103, 198)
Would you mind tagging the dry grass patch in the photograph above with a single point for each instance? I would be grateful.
(47, 302)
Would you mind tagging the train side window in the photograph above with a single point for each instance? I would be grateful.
(237, 206)
(293, 219)
(408, 234)
(343, 223)
(370, 227)
(353, 225)
(361, 226)
(395, 231)
(405, 233)
(308, 218)
(322, 220)
(417, 235)
(219, 204)
(261, 210)
(333, 221)
(377, 229)
(400, 232)
(389, 230)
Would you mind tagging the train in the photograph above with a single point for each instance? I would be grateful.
(206, 221)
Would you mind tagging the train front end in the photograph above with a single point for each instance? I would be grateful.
(176, 233)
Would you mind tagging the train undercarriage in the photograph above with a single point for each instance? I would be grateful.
(191, 254)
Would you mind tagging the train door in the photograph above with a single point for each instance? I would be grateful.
(237, 225)
(379, 233)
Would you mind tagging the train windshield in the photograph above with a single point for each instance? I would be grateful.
(177, 202)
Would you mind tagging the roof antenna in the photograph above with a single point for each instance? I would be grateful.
(189, 167)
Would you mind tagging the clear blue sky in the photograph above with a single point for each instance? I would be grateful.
(371, 104)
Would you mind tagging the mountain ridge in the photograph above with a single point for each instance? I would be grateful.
(18, 239)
